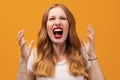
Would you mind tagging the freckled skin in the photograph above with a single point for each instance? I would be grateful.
(57, 17)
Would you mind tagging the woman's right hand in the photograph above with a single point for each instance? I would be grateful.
(24, 49)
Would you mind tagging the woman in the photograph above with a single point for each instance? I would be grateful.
(59, 55)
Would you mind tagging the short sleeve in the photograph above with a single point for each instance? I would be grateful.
(86, 57)
(31, 60)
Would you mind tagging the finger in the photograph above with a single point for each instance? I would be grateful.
(20, 35)
(31, 44)
(21, 38)
(23, 44)
(90, 29)
(22, 41)
(20, 32)
(83, 42)
(90, 37)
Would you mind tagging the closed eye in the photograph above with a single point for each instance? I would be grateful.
(51, 18)
(63, 18)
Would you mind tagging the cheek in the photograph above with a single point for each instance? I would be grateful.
(67, 28)
(49, 29)
(49, 25)
(66, 31)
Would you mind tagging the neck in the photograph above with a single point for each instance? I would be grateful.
(59, 51)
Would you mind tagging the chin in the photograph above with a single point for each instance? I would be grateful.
(58, 41)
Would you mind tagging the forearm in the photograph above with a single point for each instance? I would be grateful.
(22, 71)
(95, 72)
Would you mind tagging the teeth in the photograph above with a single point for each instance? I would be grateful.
(57, 30)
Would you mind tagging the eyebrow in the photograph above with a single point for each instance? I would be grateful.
(60, 16)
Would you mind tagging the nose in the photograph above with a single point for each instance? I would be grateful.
(57, 22)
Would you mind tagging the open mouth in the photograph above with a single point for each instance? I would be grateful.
(57, 32)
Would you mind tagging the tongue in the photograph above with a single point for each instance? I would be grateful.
(57, 32)
(57, 36)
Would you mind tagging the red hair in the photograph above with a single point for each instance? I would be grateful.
(44, 64)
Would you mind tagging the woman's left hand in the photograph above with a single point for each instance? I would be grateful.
(89, 46)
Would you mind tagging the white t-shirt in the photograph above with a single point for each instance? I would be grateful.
(61, 69)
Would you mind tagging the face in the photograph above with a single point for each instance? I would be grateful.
(57, 25)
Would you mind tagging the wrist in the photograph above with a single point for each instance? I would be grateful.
(22, 60)
(92, 55)
(92, 59)
(22, 66)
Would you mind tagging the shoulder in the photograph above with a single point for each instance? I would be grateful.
(33, 52)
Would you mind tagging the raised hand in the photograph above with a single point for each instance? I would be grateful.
(24, 49)
(89, 46)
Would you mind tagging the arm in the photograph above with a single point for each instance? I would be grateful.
(94, 72)
(23, 73)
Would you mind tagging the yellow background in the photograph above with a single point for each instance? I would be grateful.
(103, 15)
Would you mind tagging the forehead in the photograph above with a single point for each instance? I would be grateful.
(57, 11)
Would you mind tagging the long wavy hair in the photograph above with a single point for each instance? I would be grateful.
(44, 64)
